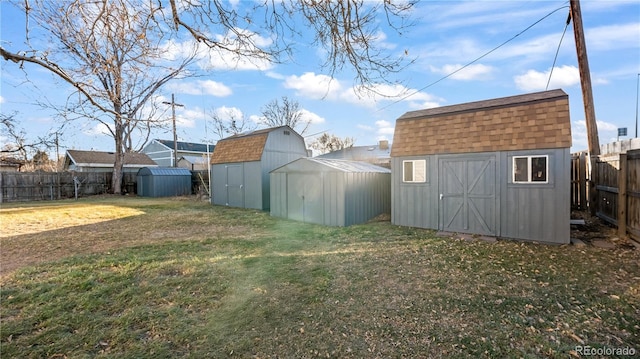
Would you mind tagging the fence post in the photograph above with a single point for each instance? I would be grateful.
(582, 181)
(622, 197)
(592, 182)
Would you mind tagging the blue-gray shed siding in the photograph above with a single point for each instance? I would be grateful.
(534, 212)
(247, 186)
(279, 149)
(163, 182)
(330, 198)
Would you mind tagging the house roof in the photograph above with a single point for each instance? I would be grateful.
(106, 159)
(307, 164)
(360, 153)
(531, 121)
(11, 162)
(187, 146)
(194, 159)
(164, 171)
(243, 147)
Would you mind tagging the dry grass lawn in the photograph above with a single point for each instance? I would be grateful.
(123, 277)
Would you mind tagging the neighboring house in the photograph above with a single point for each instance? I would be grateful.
(10, 164)
(96, 161)
(241, 164)
(161, 151)
(330, 192)
(379, 154)
(194, 163)
(499, 167)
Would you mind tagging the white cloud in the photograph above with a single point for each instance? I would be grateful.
(98, 129)
(365, 127)
(606, 132)
(619, 36)
(1, 99)
(384, 128)
(533, 80)
(217, 59)
(228, 113)
(199, 87)
(383, 123)
(314, 86)
(471, 72)
(187, 117)
(313, 118)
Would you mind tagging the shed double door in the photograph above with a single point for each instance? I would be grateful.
(467, 187)
(304, 198)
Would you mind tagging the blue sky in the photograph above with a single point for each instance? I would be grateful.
(446, 36)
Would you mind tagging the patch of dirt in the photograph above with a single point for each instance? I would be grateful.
(595, 229)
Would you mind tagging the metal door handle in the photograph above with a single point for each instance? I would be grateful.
(441, 196)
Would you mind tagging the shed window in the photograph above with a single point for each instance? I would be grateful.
(531, 169)
(414, 171)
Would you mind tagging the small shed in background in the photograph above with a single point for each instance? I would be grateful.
(330, 192)
(497, 167)
(163, 181)
(240, 165)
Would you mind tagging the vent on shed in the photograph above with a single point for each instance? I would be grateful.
(287, 133)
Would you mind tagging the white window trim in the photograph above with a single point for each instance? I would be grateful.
(529, 171)
(424, 165)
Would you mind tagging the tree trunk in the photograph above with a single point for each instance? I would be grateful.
(116, 179)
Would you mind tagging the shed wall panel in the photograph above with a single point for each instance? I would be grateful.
(279, 149)
(414, 204)
(538, 212)
(278, 186)
(218, 184)
(332, 196)
(253, 186)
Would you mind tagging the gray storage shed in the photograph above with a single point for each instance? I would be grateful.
(330, 192)
(164, 182)
(241, 164)
(499, 167)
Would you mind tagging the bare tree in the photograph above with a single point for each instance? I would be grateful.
(329, 142)
(111, 51)
(16, 143)
(287, 112)
(229, 123)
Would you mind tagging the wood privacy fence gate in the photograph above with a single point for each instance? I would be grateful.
(616, 179)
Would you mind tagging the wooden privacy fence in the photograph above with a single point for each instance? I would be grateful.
(617, 183)
(41, 186)
(48, 186)
(579, 181)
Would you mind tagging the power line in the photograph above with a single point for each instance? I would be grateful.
(475, 60)
(558, 50)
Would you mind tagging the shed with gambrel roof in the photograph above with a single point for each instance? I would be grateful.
(241, 164)
(498, 167)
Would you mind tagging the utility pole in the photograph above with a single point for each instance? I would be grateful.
(585, 79)
(175, 135)
(587, 99)
(637, 96)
